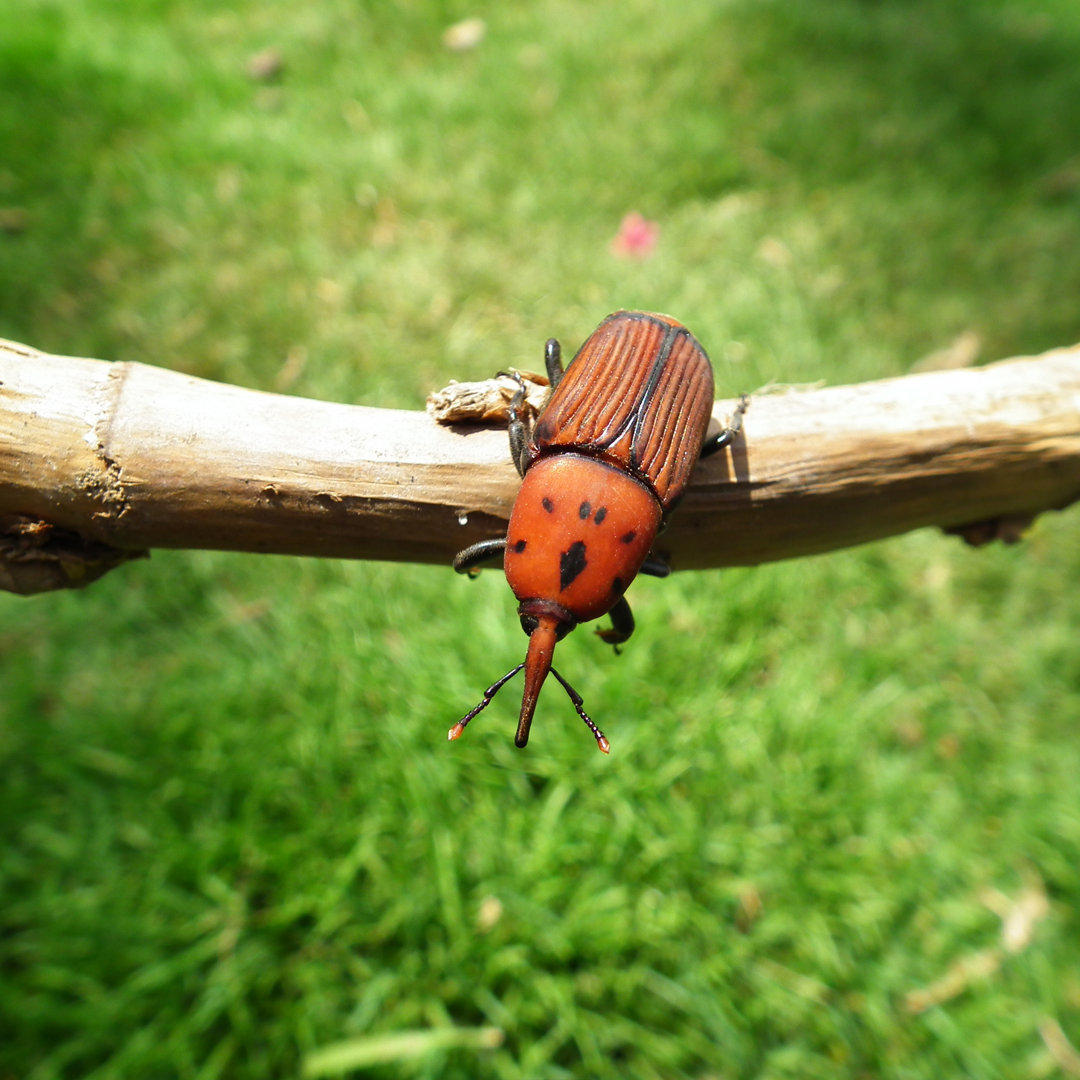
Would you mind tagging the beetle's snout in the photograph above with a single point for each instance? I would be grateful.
(537, 665)
(535, 612)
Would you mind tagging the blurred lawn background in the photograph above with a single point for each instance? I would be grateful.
(839, 831)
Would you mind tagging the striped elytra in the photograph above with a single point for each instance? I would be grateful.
(639, 393)
(606, 460)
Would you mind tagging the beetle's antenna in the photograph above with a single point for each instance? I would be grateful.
(489, 693)
(578, 701)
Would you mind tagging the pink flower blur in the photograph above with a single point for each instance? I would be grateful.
(636, 238)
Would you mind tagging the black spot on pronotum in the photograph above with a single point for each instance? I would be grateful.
(617, 586)
(583, 510)
(628, 538)
(600, 515)
(519, 546)
(571, 563)
(547, 504)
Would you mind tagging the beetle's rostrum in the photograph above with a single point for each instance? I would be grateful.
(603, 465)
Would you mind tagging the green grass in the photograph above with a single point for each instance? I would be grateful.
(233, 838)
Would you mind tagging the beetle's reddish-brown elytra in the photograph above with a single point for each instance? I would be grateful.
(605, 462)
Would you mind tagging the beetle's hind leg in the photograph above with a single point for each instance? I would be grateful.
(734, 426)
(553, 362)
(470, 560)
(622, 624)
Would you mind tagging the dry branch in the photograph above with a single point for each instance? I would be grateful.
(100, 462)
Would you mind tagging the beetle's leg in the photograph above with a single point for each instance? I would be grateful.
(553, 361)
(654, 566)
(468, 561)
(489, 693)
(622, 624)
(723, 438)
(517, 428)
(601, 742)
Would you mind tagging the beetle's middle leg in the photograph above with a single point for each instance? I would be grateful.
(517, 428)
(655, 566)
(734, 426)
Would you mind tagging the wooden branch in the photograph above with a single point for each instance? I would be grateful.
(100, 461)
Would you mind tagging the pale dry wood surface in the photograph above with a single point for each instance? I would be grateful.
(100, 462)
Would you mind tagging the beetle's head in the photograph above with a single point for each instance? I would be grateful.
(545, 623)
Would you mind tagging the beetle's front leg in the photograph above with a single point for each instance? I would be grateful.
(469, 560)
(622, 624)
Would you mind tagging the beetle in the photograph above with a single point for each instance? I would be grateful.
(602, 466)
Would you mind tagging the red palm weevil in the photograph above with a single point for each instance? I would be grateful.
(603, 465)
